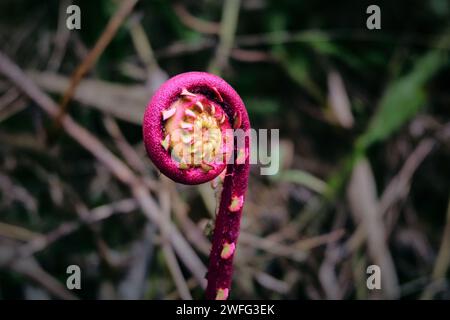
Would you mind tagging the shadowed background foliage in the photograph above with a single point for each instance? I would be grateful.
(364, 149)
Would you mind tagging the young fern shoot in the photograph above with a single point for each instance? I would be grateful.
(189, 133)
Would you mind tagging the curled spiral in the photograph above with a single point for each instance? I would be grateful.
(188, 132)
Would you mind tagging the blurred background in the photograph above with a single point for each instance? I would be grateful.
(364, 124)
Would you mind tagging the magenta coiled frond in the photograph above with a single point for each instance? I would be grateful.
(188, 134)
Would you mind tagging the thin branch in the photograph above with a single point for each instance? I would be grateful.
(397, 188)
(41, 242)
(108, 34)
(61, 38)
(31, 269)
(127, 151)
(171, 260)
(195, 23)
(297, 252)
(364, 204)
(442, 261)
(228, 27)
(305, 36)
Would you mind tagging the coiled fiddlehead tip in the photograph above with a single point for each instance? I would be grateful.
(176, 119)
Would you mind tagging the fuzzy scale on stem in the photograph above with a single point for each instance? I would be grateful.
(186, 131)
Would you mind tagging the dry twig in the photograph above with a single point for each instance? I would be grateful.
(108, 34)
(117, 167)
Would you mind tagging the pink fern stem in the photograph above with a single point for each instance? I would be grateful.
(188, 134)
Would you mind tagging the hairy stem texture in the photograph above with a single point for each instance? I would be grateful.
(190, 132)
